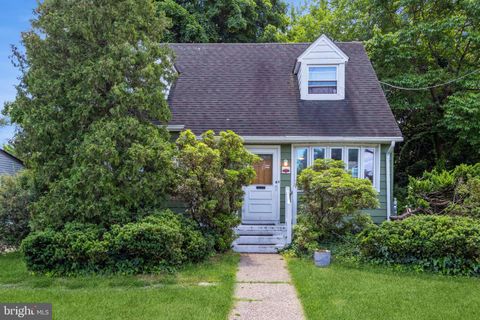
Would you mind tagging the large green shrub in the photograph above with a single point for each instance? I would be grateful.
(17, 193)
(122, 171)
(450, 245)
(455, 192)
(331, 202)
(331, 193)
(161, 241)
(211, 174)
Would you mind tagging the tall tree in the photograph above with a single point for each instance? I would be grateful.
(91, 65)
(415, 44)
(342, 20)
(224, 20)
(422, 44)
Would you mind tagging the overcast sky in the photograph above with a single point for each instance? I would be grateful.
(14, 18)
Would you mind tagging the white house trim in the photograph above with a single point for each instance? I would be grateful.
(175, 127)
(387, 167)
(318, 139)
(323, 38)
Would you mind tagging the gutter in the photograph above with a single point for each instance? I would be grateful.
(175, 127)
(302, 139)
(309, 139)
(388, 168)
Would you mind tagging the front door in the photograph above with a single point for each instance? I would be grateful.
(262, 198)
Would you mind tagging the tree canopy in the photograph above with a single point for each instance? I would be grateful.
(93, 78)
(414, 44)
(224, 20)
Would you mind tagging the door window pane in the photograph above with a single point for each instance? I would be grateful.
(336, 154)
(368, 163)
(353, 162)
(301, 159)
(264, 169)
(318, 153)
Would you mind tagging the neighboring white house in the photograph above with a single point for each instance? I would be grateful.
(9, 164)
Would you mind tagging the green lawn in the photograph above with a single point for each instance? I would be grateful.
(180, 296)
(341, 292)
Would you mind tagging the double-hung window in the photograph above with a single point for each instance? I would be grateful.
(322, 80)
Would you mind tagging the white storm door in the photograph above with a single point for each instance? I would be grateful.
(262, 198)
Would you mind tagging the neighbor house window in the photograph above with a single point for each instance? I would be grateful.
(322, 80)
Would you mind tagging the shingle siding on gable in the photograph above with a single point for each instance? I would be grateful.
(324, 52)
(8, 164)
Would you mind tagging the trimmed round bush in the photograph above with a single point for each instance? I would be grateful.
(147, 245)
(77, 248)
(449, 245)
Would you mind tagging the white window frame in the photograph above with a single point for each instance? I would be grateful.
(320, 95)
(376, 165)
(345, 148)
(304, 74)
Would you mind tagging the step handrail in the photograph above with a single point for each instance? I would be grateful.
(288, 214)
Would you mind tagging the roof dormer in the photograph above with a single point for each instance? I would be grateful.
(321, 71)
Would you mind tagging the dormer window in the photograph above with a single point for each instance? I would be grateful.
(322, 80)
(320, 71)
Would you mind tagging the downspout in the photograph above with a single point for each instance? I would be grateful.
(388, 164)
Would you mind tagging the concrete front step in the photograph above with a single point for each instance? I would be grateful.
(260, 239)
(261, 227)
(252, 248)
(259, 233)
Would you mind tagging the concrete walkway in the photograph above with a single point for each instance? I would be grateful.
(264, 290)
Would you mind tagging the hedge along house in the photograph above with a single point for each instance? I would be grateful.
(292, 104)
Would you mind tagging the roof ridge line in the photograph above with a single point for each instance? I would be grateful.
(252, 43)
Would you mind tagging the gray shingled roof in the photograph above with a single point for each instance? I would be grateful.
(251, 89)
